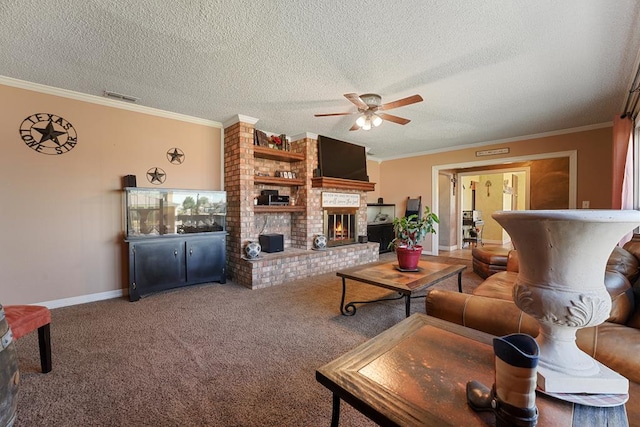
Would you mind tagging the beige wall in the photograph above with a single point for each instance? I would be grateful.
(412, 176)
(373, 170)
(62, 214)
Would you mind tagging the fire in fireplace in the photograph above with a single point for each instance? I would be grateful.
(340, 226)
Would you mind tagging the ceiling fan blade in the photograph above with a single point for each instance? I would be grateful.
(357, 101)
(333, 114)
(354, 127)
(394, 119)
(402, 102)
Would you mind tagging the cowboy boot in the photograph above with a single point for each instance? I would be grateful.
(513, 396)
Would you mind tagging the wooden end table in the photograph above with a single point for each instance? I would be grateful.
(406, 283)
(415, 374)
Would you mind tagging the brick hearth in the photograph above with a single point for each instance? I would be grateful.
(298, 224)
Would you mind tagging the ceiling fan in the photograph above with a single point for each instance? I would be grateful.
(370, 108)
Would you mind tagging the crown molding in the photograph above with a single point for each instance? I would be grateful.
(99, 100)
(239, 118)
(523, 138)
(303, 135)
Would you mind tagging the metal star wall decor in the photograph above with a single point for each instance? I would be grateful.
(156, 176)
(48, 134)
(175, 156)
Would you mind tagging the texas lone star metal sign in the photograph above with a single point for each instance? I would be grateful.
(48, 134)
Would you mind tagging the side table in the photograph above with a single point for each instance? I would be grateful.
(415, 374)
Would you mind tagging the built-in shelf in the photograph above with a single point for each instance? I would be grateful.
(274, 180)
(277, 209)
(343, 184)
(273, 154)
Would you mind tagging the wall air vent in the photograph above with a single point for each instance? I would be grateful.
(120, 96)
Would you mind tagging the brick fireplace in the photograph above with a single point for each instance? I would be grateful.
(247, 173)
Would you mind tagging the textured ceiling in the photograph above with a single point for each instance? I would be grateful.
(487, 69)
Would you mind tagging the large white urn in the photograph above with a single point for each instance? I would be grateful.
(563, 256)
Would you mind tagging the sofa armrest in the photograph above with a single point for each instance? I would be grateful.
(491, 315)
(614, 345)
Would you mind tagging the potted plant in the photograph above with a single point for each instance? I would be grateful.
(410, 231)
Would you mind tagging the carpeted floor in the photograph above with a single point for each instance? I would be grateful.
(207, 355)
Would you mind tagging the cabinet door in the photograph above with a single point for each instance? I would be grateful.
(387, 236)
(374, 234)
(206, 259)
(155, 266)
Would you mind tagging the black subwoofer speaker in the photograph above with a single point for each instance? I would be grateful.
(129, 181)
(271, 242)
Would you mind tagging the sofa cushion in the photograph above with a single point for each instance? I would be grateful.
(624, 262)
(498, 285)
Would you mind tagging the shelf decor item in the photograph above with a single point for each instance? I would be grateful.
(409, 231)
(560, 284)
(252, 249)
(320, 241)
(277, 142)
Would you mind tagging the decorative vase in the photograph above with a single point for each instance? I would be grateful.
(320, 241)
(252, 249)
(563, 256)
(408, 258)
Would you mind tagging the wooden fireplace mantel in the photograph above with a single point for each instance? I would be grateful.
(343, 184)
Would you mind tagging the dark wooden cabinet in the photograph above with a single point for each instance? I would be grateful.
(171, 262)
(381, 233)
(206, 257)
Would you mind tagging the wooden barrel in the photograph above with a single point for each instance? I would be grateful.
(9, 376)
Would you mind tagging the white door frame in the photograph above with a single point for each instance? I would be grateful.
(573, 178)
(527, 196)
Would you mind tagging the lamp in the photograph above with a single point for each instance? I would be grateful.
(367, 120)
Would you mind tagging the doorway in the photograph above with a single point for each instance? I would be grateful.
(544, 184)
(483, 192)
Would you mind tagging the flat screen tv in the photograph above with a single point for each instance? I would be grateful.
(339, 159)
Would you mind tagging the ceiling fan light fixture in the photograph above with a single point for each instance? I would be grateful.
(367, 124)
(376, 120)
(361, 120)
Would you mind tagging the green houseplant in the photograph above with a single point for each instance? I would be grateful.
(410, 231)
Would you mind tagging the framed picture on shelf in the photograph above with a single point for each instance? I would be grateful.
(260, 138)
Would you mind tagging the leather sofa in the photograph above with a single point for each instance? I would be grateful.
(489, 260)
(615, 343)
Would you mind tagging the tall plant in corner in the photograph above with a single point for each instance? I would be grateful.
(409, 232)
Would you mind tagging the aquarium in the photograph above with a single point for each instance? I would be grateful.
(160, 211)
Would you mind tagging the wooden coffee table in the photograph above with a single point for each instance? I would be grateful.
(415, 374)
(406, 283)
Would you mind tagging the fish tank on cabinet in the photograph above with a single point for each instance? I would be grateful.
(152, 212)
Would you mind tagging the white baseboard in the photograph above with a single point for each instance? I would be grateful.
(64, 302)
(448, 248)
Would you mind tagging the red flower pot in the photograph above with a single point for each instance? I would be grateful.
(408, 258)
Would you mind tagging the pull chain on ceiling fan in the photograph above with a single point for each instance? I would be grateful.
(370, 108)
